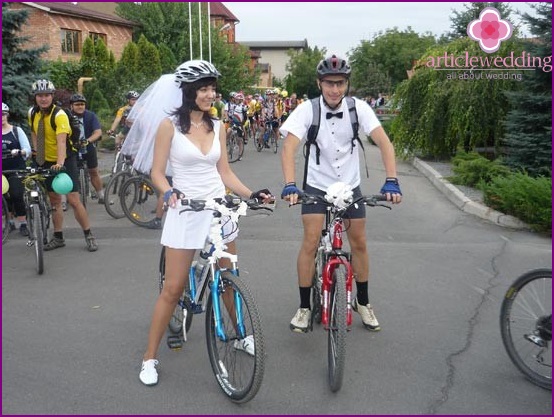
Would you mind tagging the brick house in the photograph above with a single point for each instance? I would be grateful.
(64, 27)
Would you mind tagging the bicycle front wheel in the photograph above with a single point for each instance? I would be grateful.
(237, 353)
(5, 220)
(37, 235)
(176, 321)
(139, 200)
(526, 325)
(336, 346)
(233, 147)
(112, 194)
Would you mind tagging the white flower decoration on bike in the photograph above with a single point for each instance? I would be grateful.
(339, 194)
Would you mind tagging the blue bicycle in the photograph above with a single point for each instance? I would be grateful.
(234, 334)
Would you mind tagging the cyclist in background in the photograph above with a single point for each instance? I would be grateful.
(270, 112)
(121, 118)
(219, 106)
(91, 133)
(15, 151)
(337, 162)
(53, 150)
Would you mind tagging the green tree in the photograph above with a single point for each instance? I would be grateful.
(386, 58)
(89, 62)
(102, 55)
(528, 136)
(167, 59)
(301, 68)
(20, 67)
(149, 57)
(460, 20)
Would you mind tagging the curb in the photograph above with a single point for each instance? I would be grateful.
(464, 203)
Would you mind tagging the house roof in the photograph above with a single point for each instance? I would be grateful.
(276, 44)
(66, 8)
(219, 9)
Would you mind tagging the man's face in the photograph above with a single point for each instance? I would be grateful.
(132, 101)
(78, 108)
(333, 88)
(44, 100)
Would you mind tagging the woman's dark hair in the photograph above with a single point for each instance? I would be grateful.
(189, 104)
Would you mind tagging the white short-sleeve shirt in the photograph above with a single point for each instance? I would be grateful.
(337, 162)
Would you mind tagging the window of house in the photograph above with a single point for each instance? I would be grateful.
(71, 41)
(96, 36)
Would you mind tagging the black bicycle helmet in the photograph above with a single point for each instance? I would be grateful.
(132, 94)
(77, 98)
(43, 87)
(191, 71)
(333, 66)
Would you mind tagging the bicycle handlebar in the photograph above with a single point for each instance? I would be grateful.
(229, 201)
(47, 172)
(369, 200)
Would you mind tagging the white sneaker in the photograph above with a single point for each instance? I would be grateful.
(368, 316)
(148, 374)
(246, 345)
(301, 321)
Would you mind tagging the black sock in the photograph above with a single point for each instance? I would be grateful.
(58, 235)
(361, 295)
(86, 232)
(305, 295)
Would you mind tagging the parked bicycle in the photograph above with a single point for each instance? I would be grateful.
(526, 325)
(37, 207)
(112, 191)
(139, 199)
(332, 282)
(232, 318)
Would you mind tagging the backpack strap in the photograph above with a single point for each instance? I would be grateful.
(355, 128)
(311, 138)
(15, 130)
(55, 111)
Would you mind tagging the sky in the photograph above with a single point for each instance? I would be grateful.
(340, 26)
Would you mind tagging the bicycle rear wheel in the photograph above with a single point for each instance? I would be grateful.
(112, 194)
(139, 200)
(238, 371)
(336, 346)
(37, 236)
(176, 321)
(5, 220)
(526, 325)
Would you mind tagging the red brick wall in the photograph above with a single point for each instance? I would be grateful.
(44, 28)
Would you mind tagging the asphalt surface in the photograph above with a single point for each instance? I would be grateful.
(73, 338)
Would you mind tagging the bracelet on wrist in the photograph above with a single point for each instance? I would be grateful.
(290, 183)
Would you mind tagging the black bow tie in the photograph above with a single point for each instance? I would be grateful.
(339, 115)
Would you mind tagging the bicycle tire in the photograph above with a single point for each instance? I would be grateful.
(5, 220)
(274, 143)
(176, 322)
(526, 313)
(112, 194)
(316, 286)
(258, 141)
(37, 237)
(233, 150)
(83, 186)
(336, 346)
(139, 200)
(238, 373)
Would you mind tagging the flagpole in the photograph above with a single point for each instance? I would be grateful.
(209, 33)
(200, 26)
(190, 30)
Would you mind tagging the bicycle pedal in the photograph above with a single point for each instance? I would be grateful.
(175, 342)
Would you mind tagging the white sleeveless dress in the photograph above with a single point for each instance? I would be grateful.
(196, 175)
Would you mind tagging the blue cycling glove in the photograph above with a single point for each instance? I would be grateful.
(391, 186)
(290, 188)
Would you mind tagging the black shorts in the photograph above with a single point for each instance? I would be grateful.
(91, 156)
(70, 169)
(353, 212)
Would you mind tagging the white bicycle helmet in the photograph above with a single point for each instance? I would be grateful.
(43, 87)
(340, 194)
(191, 71)
(5, 107)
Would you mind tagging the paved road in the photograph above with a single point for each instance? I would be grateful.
(73, 338)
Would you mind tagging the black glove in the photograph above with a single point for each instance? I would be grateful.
(258, 194)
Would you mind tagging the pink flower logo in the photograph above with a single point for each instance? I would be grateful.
(490, 30)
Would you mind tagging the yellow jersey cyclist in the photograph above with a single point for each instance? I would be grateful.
(121, 119)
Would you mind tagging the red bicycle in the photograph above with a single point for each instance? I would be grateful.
(332, 282)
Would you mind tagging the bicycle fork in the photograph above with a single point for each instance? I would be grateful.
(328, 270)
(237, 310)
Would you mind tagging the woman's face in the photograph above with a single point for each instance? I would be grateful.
(205, 96)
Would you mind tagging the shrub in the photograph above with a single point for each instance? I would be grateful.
(472, 169)
(527, 198)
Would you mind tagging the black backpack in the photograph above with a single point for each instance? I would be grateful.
(72, 139)
(311, 137)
